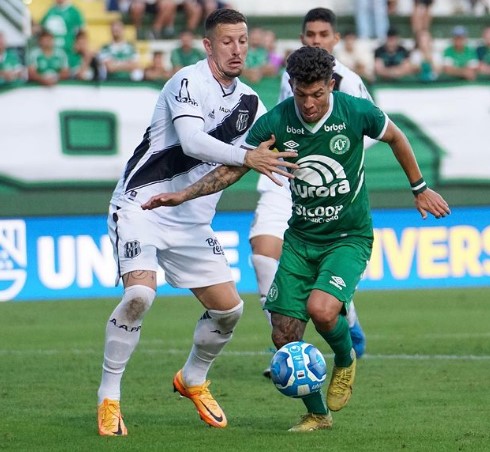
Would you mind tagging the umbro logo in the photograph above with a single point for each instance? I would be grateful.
(338, 282)
(291, 145)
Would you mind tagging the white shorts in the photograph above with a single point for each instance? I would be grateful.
(190, 255)
(272, 214)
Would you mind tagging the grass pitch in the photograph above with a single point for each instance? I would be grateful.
(424, 384)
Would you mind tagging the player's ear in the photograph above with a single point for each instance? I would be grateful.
(206, 42)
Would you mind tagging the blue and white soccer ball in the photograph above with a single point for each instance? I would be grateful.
(298, 369)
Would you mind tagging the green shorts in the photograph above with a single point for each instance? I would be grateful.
(335, 268)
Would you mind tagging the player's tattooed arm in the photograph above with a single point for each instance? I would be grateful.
(213, 182)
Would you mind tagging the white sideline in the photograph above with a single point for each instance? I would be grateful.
(157, 351)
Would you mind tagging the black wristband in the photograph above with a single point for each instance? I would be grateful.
(418, 186)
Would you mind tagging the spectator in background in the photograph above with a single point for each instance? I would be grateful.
(479, 7)
(421, 17)
(460, 60)
(120, 58)
(161, 12)
(483, 53)
(156, 71)
(185, 54)
(64, 21)
(208, 6)
(257, 56)
(47, 63)
(392, 6)
(11, 69)
(392, 60)
(426, 63)
(354, 57)
(83, 63)
(371, 18)
(275, 60)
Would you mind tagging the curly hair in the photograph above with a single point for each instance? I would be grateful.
(223, 16)
(310, 64)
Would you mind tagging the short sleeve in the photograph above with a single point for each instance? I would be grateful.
(183, 94)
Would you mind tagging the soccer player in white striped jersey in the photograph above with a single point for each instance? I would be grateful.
(201, 118)
(274, 205)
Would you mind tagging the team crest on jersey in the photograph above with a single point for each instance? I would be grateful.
(242, 121)
(132, 249)
(273, 292)
(339, 144)
(184, 96)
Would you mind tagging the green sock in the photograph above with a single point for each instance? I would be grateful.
(340, 342)
(314, 403)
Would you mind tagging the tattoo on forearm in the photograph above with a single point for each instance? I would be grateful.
(215, 181)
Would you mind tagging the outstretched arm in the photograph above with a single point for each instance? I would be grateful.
(199, 144)
(214, 181)
(426, 200)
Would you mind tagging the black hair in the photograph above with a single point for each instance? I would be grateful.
(320, 14)
(223, 16)
(310, 64)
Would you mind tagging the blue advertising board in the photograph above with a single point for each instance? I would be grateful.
(71, 257)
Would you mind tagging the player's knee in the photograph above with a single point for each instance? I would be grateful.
(228, 319)
(138, 300)
(324, 313)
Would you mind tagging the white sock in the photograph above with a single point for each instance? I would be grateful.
(265, 270)
(213, 331)
(122, 335)
(351, 315)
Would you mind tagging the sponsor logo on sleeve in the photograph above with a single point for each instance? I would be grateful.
(184, 96)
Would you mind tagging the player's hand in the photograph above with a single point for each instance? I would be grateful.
(267, 162)
(164, 199)
(432, 202)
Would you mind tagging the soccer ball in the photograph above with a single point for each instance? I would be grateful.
(298, 369)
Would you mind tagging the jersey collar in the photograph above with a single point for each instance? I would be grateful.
(313, 128)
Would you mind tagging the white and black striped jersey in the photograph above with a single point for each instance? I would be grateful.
(159, 164)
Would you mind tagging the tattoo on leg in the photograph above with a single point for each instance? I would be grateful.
(286, 329)
(139, 275)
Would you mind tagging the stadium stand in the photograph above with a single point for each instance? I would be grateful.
(286, 23)
(97, 18)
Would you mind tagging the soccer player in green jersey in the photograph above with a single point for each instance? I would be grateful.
(329, 238)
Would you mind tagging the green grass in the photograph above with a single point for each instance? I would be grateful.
(424, 384)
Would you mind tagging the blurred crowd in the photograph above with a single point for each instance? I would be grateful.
(59, 48)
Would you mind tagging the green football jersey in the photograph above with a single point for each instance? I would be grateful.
(9, 61)
(120, 51)
(63, 22)
(48, 64)
(180, 58)
(329, 195)
(461, 58)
